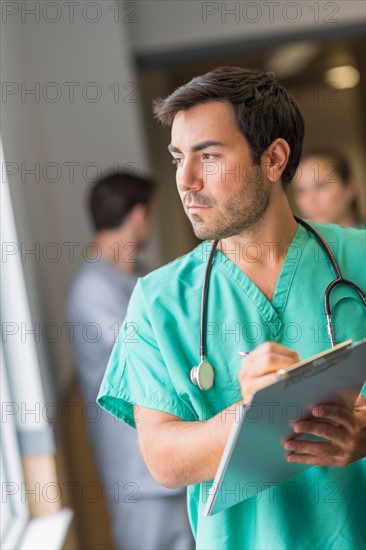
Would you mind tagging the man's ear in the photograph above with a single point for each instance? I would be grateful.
(138, 214)
(275, 159)
(351, 190)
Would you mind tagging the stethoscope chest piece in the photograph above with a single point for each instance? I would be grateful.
(203, 376)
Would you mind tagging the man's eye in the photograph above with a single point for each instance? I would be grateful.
(177, 161)
(209, 156)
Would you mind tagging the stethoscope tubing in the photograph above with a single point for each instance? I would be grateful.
(204, 301)
(339, 280)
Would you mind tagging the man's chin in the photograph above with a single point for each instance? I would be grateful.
(200, 231)
(201, 235)
(205, 234)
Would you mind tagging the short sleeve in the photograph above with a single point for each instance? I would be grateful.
(136, 372)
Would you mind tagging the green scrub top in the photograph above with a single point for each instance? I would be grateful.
(321, 508)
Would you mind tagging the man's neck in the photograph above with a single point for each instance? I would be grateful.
(265, 246)
(121, 253)
(260, 253)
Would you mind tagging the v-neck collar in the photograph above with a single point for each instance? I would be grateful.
(271, 312)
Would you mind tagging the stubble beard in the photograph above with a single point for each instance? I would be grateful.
(242, 213)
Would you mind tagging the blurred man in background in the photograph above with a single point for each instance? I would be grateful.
(145, 516)
(324, 189)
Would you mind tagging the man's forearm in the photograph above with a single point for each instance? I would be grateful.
(182, 453)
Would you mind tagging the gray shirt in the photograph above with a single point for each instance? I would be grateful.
(97, 304)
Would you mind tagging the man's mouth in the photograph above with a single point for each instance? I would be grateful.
(196, 207)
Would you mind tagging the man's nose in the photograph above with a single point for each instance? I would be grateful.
(189, 176)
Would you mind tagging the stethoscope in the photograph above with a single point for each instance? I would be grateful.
(203, 375)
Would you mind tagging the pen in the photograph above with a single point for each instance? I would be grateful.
(244, 353)
(281, 374)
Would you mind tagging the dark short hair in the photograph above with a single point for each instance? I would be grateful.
(114, 195)
(338, 160)
(263, 109)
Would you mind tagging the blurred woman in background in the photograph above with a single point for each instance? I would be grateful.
(324, 189)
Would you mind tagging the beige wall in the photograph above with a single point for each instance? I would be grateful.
(164, 25)
(336, 119)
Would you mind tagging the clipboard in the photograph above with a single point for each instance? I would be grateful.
(254, 458)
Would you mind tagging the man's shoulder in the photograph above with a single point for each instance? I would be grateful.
(339, 233)
(348, 245)
(180, 268)
(347, 240)
(86, 276)
(93, 283)
(170, 287)
(174, 279)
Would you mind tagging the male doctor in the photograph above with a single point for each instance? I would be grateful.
(236, 142)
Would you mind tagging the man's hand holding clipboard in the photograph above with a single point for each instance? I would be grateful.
(343, 430)
(269, 444)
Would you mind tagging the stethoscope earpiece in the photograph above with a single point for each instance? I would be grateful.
(203, 376)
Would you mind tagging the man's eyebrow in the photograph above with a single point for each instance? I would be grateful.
(197, 147)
